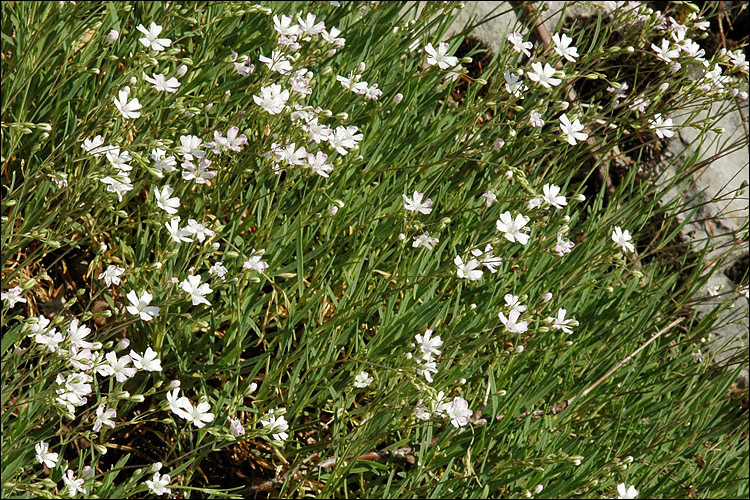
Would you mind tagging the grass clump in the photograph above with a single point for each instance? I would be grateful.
(298, 249)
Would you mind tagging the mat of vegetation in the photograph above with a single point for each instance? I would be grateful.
(299, 249)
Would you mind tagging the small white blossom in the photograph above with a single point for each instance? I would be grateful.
(363, 379)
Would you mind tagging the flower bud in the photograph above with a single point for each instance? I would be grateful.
(538, 489)
(181, 71)
(156, 467)
(519, 349)
(342, 116)
(112, 36)
(579, 197)
(174, 384)
(480, 81)
(251, 389)
(398, 98)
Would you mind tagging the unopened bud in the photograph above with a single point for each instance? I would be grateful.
(398, 98)
(112, 36)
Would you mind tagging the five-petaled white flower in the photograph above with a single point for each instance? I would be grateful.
(200, 231)
(415, 204)
(511, 322)
(254, 262)
(199, 415)
(317, 163)
(457, 411)
(13, 296)
(514, 85)
(562, 46)
(572, 131)
(665, 53)
(626, 492)
(662, 128)
(514, 302)
(519, 45)
(487, 258)
(162, 162)
(140, 305)
(152, 37)
(623, 238)
(118, 159)
(128, 109)
(74, 485)
(77, 333)
(163, 200)
(551, 196)
(513, 228)
(197, 291)
(429, 344)
(439, 56)
(190, 147)
(544, 75)
(276, 426)
(468, 270)
(161, 84)
(118, 367)
(363, 379)
(104, 416)
(177, 233)
(562, 246)
(147, 361)
(158, 484)
(560, 323)
(44, 456)
(424, 240)
(272, 99)
(119, 184)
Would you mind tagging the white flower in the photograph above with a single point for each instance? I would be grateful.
(72, 484)
(513, 227)
(623, 238)
(318, 163)
(178, 405)
(545, 76)
(363, 379)
(440, 56)
(551, 196)
(424, 240)
(572, 131)
(276, 426)
(626, 492)
(232, 141)
(197, 291)
(44, 456)
(128, 109)
(308, 25)
(272, 99)
(119, 160)
(158, 484)
(562, 246)
(562, 47)
(663, 128)
(163, 200)
(152, 37)
(104, 416)
(199, 173)
(177, 234)
(190, 146)
(511, 323)
(489, 198)
(13, 296)
(118, 367)
(415, 204)
(147, 361)
(535, 118)
(200, 231)
(140, 305)
(76, 334)
(519, 45)
(235, 427)
(514, 85)
(332, 37)
(51, 339)
(95, 146)
(468, 270)
(560, 323)
(344, 138)
(429, 344)
(199, 414)
(664, 52)
(284, 27)
(254, 262)
(219, 270)
(161, 83)
(318, 132)
(487, 258)
(458, 411)
(162, 162)
(278, 62)
(426, 366)
(119, 184)
(112, 36)
(514, 302)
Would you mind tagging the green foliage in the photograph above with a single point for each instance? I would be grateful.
(345, 292)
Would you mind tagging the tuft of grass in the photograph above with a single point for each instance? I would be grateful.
(620, 400)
